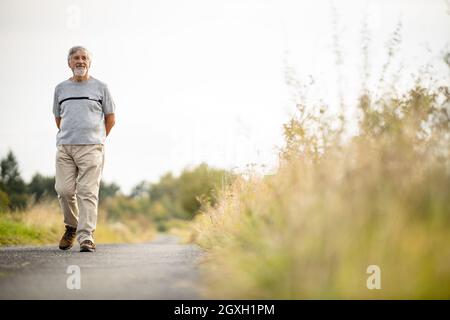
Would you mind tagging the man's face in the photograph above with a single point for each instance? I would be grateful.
(79, 63)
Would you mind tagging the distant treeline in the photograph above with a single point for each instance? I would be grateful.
(178, 197)
(172, 197)
(16, 194)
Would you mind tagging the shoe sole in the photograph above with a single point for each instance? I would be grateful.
(87, 250)
(65, 248)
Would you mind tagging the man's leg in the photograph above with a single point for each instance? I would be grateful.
(89, 159)
(65, 180)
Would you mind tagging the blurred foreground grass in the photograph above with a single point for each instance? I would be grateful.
(336, 206)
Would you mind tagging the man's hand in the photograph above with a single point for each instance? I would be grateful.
(58, 122)
(110, 120)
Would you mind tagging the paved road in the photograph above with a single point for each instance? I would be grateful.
(161, 269)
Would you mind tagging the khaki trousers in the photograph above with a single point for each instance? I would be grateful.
(77, 181)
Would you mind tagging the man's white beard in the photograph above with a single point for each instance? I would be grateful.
(80, 71)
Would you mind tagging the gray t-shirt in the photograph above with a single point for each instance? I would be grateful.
(82, 107)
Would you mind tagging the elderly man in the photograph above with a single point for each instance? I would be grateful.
(84, 114)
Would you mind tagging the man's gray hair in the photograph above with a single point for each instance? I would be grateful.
(75, 49)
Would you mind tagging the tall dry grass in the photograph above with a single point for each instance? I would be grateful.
(332, 209)
(340, 203)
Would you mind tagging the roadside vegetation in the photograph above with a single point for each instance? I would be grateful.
(30, 212)
(342, 202)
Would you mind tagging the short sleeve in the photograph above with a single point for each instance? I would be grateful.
(108, 103)
(56, 107)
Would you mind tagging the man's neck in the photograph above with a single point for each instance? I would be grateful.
(80, 78)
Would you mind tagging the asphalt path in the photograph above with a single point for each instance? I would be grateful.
(161, 269)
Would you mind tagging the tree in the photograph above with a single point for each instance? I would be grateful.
(182, 196)
(41, 187)
(12, 183)
(140, 190)
(108, 190)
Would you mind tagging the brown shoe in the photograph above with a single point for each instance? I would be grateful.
(87, 246)
(68, 238)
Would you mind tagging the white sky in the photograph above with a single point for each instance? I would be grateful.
(197, 80)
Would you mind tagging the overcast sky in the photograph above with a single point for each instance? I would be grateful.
(199, 80)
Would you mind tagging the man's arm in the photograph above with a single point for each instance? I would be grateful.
(58, 122)
(110, 120)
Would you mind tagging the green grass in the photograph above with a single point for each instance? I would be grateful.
(14, 233)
